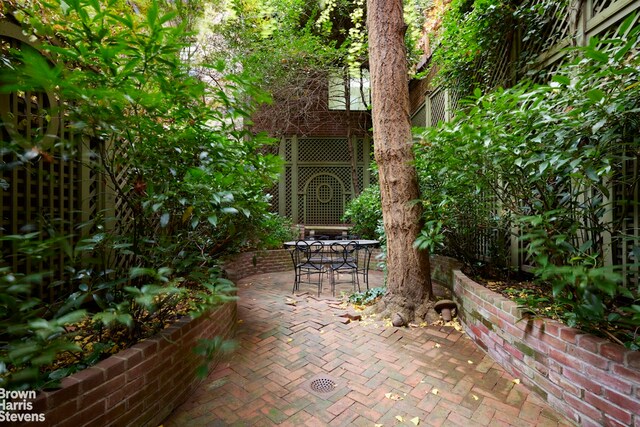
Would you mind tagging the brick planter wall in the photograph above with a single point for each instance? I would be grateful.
(591, 380)
(249, 263)
(140, 385)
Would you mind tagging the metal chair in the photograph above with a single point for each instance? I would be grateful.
(308, 264)
(343, 260)
(363, 256)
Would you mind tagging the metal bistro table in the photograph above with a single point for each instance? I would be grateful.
(312, 258)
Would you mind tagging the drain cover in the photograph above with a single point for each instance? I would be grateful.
(322, 385)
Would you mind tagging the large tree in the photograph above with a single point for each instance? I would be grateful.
(408, 283)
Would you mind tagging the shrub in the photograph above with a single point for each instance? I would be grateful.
(549, 156)
(365, 213)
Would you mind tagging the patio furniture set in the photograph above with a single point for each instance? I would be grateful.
(313, 259)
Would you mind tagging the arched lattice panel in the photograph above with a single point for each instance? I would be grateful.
(44, 184)
(324, 199)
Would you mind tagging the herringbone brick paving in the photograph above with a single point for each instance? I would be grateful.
(382, 373)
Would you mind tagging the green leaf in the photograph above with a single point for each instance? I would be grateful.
(213, 220)
(595, 95)
(563, 80)
(164, 219)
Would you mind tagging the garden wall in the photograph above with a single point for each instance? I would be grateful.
(591, 380)
(246, 264)
(141, 385)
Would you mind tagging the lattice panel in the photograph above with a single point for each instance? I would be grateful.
(288, 211)
(555, 27)
(306, 173)
(419, 119)
(626, 213)
(438, 107)
(600, 5)
(324, 200)
(323, 150)
(47, 192)
(287, 150)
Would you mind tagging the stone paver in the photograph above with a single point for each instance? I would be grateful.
(433, 373)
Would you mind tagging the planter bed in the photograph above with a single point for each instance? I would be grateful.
(591, 380)
(140, 385)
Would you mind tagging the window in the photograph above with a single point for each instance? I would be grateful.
(359, 91)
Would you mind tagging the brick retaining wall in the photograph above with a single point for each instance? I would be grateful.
(140, 385)
(591, 380)
(246, 264)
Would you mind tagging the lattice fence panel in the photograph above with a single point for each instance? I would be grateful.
(288, 192)
(419, 119)
(323, 150)
(324, 200)
(305, 173)
(438, 107)
(599, 5)
(46, 191)
(287, 150)
(626, 213)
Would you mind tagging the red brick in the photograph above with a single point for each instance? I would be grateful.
(613, 352)
(130, 356)
(570, 335)
(581, 380)
(591, 343)
(89, 378)
(112, 367)
(607, 379)
(623, 401)
(608, 408)
(588, 357)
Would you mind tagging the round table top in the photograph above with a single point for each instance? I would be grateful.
(369, 243)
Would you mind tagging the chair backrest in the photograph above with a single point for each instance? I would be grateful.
(343, 255)
(306, 252)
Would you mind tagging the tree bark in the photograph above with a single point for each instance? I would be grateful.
(408, 281)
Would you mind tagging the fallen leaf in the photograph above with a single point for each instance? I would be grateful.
(290, 339)
(393, 396)
(415, 420)
(516, 381)
(378, 425)
(470, 362)
(474, 397)
(434, 391)
(240, 320)
(437, 345)
(290, 301)
(399, 418)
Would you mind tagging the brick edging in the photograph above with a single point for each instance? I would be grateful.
(140, 385)
(591, 380)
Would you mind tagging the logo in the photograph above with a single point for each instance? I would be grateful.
(17, 406)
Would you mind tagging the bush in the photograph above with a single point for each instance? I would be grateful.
(547, 157)
(365, 213)
(189, 181)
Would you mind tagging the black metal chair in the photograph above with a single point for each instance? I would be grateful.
(363, 256)
(308, 264)
(343, 260)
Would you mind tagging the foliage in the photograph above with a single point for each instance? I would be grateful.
(190, 181)
(548, 157)
(368, 297)
(474, 33)
(365, 213)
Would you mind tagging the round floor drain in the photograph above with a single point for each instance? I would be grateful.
(322, 385)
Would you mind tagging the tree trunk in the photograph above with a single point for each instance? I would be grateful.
(408, 281)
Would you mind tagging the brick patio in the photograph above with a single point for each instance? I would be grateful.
(433, 373)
